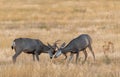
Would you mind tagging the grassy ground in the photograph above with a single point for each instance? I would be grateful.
(50, 20)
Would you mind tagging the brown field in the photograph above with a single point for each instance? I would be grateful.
(50, 20)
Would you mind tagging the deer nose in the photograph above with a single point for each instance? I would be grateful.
(50, 57)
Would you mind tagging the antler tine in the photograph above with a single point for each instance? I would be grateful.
(56, 42)
(62, 46)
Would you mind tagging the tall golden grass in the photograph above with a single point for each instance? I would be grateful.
(50, 20)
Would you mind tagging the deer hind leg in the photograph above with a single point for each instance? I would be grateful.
(92, 51)
(85, 53)
(77, 55)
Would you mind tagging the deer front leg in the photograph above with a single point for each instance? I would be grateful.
(15, 56)
(71, 56)
(77, 55)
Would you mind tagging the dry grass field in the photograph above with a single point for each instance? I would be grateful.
(50, 20)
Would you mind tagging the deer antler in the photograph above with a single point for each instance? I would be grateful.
(55, 43)
(63, 45)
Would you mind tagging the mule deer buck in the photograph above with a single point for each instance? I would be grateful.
(108, 47)
(75, 46)
(32, 46)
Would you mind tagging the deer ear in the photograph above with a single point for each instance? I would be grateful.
(63, 45)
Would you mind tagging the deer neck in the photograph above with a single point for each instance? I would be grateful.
(66, 49)
(45, 49)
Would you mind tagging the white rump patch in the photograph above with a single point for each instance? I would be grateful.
(13, 44)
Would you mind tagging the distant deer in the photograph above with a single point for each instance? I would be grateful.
(108, 47)
(32, 46)
(76, 45)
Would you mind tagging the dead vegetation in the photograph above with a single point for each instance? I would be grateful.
(50, 20)
(108, 47)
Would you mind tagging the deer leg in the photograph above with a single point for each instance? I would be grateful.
(85, 53)
(71, 56)
(33, 57)
(15, 55)
(37, 55)
(92, 51)
(77, 55)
